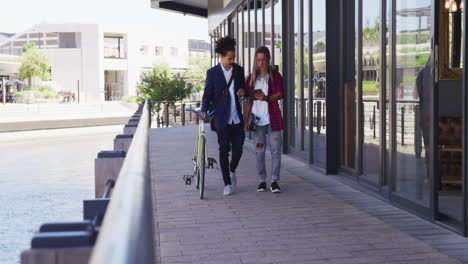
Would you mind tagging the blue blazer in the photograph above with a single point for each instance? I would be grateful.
(214, 86)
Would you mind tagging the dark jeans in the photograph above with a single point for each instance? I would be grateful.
(230, 136)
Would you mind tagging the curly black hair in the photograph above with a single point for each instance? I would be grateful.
(223, 45)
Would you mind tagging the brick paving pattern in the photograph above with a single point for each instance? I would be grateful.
(309, 222)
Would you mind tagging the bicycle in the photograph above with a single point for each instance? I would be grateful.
(200, 156)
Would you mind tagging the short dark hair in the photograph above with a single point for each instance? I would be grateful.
(224, 45)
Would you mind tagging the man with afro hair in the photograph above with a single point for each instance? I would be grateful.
(228, 119)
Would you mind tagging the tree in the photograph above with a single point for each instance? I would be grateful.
(27, 46)
(371, 31)
(34, 64)
(160, 85)
(196, 72)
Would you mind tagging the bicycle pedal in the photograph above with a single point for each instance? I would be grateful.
(188, 179)
(211, 162)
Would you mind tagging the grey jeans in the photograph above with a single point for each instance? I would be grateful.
(275, 148)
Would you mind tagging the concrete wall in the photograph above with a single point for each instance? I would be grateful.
(66, 68)
(115, 64)
(93, 54)
(90, 39)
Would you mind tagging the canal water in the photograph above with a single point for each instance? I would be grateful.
(44, 177)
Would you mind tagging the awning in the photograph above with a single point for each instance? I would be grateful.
(192, 7)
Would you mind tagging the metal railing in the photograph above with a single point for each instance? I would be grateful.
(319, 120)
(408, 119)
(171, 113)
(126, 234)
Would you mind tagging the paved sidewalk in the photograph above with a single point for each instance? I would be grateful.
(303, 224)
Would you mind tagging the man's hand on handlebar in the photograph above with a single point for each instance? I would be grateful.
(202, 114)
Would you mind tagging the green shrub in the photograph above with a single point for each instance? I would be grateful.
(129, 99)
(370, 86)
(8, 59)
(40, 91)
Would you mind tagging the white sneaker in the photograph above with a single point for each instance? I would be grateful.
(228, 189)
(233, 179)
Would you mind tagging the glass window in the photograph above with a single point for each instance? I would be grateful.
(259, 24)
(348, 155)
(158, 51)
(297, 77)
(113, 47)
(414, 91)
(246, 39)
(144, 50)
(307, 54)
(319, 83)
(370, 88)
(174, 51)
(278, 51)
(235, 33)
(240, 43)
(268, 25)
(253, 30)
(388, 93)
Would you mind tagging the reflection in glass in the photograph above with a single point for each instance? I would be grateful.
(246, 40)
(370, 88)
(278, 36)
(388, 93)
(307, 54)
(319, 82)
(450, 192)
(414, 89)
(453, 12)
(297, 77)
(259, 24)
(114, 47)
(253, 37)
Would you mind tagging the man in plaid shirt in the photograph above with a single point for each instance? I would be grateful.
(264, 88)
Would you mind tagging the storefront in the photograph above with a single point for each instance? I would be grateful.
(374, 91)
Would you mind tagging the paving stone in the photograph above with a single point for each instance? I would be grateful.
(316, 219)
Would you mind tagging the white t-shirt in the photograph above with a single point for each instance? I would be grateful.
(234, 117)
(260, 108)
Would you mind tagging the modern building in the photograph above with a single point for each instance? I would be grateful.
(4, 35)
(199, 48)
(99, 62)
(375, 91)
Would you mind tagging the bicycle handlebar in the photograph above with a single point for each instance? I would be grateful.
(198, 114)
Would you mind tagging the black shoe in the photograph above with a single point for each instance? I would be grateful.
(275, 188)
(261, 187)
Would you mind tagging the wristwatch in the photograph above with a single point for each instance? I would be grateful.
(267, 98)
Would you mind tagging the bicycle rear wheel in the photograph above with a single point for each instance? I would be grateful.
(201, 169)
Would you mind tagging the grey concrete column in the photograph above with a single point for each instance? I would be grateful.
(129, 129)
(74, 255)
(133, 121)
(106, 166)
(122, 142)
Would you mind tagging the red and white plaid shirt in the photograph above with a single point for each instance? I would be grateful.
(274, 86)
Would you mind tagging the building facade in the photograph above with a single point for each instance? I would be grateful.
(98, 62)
(375, 91)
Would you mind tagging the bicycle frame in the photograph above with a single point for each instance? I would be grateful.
(200, 156)
(197, 147)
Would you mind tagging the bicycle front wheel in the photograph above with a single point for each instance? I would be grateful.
(202, 166)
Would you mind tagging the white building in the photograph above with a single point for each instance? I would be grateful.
(100, 63)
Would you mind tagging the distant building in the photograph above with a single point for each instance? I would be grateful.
(4, 36)
(199, 48)
(98, 63)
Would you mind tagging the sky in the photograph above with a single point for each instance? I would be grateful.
(19, 15)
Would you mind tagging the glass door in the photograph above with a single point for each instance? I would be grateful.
(412, 104)
(449, 184)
